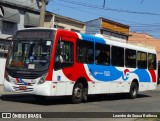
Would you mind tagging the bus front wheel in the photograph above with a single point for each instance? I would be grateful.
(133, 90)
(77, 94)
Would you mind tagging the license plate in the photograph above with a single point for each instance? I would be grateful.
(22, 88)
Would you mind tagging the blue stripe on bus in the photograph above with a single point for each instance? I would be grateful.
(143, 75)
(93, 38)
(23, 81)
(110, 73)
(104, 73)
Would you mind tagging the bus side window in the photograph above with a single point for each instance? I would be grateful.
(117, 56)
(152, 61)
(64, 54)
(142, 60)
(85, 51)
(102, 54)
(130, 58)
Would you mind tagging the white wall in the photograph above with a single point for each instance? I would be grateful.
(2, 68)
(34, 4)
(7, 32)
(93, 26)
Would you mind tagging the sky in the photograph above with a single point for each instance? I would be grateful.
(142, 16)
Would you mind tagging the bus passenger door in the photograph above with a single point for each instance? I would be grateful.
(63, 60)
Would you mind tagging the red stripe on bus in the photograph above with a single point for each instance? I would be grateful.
(17, 80)
(59, 33)
(153, 75)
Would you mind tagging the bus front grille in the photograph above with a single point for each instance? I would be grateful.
(24, 75)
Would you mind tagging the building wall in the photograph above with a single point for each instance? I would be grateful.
(115, 27)
(49, 21)
(15, 4)
(69, 24)
(2, 68)
(93, 26)
(7, 32)
(34, 4)
(109, 29)
(65, 23)
(146, 41)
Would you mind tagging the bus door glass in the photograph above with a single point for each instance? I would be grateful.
(64, 54)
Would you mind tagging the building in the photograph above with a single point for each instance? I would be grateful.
(108, 28)
(15, 15)
(57, 21)
(20, 14)
(146, 40)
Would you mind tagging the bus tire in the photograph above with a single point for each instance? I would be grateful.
(78, 93)
(133, 90)
(85, 95)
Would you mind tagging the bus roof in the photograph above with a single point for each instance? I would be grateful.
(104, 41)
(118, 44)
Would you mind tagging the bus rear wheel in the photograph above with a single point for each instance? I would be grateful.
(133, 90)
(77, 94)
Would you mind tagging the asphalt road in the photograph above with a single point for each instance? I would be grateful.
(148, 101)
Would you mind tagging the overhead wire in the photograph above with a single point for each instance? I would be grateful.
(109, 9)
(134, 25)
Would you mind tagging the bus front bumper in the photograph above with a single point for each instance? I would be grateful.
(37, 89)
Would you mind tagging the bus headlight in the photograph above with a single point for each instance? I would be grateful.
(42, 79)
(7, 77)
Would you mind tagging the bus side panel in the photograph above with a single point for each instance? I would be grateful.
(153, 76)
(61, 84)
(96, 86)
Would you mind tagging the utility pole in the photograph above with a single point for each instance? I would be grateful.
(42, 13)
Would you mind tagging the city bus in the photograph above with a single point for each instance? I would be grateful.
(55, 62)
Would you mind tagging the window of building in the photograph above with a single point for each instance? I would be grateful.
(64, 54)
(85, 51)
(117, 56)
(102, 54)
(59, 27)
(8, 25)
(111, 34)
(130, 58)
(142, 60)
(152, 62)
(74, 30)
(106, 33)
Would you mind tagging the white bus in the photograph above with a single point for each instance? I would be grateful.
(49, 62)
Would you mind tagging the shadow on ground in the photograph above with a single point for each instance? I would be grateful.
(27, 98)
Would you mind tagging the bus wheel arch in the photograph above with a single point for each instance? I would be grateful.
(80, 91)
(134, 87)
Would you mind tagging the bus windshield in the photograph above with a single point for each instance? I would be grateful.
(30, 55)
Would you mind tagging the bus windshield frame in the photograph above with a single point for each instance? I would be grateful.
(32, 53)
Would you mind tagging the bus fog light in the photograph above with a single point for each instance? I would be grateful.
(7, 77)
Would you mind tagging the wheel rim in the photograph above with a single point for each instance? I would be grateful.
(77, 93)
(134, 91)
